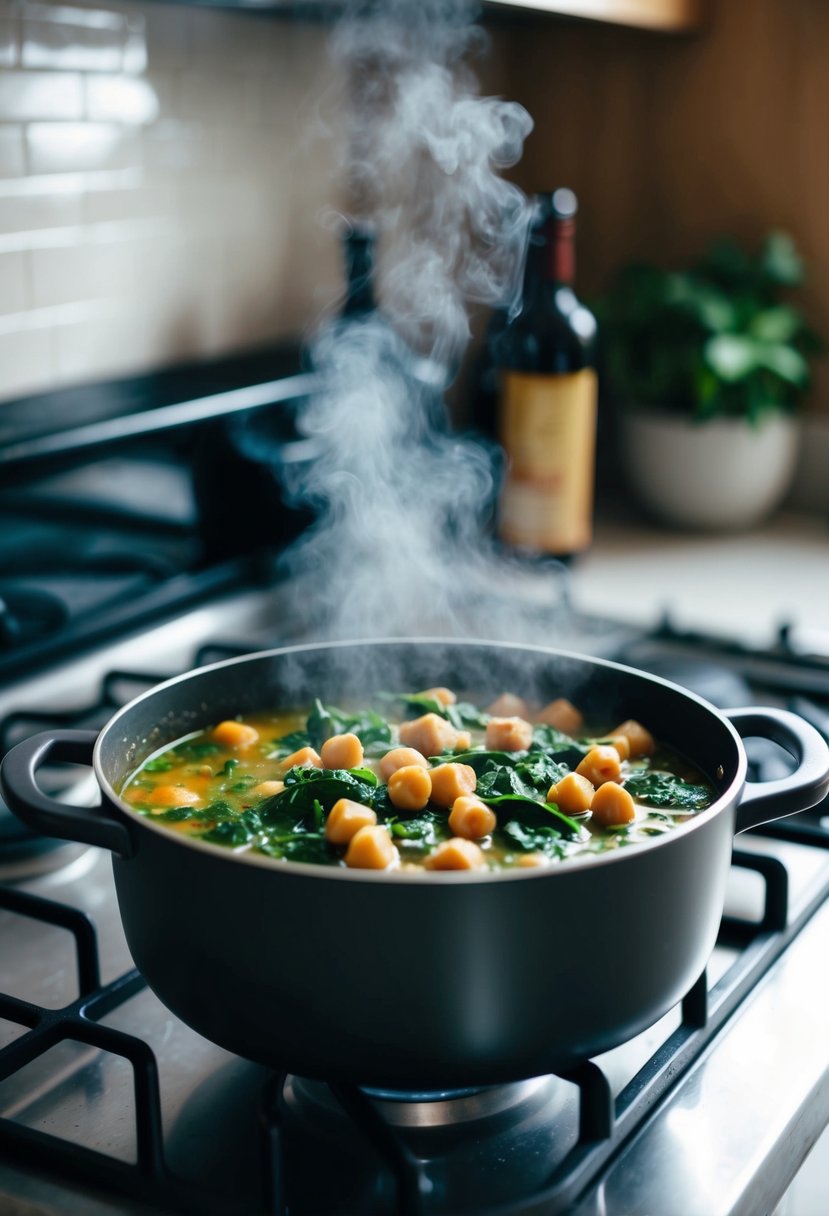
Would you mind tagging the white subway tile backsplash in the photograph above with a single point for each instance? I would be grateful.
(87, 40)
(161, 181)
(34, 212)
(28, 96)
(61, 147)
(26, 362)
(12, 282)
(8, 40)
(121, 99)
(12, 159)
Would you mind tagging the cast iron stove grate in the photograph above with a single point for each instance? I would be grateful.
(604, 1125)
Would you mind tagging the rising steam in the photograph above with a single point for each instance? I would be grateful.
(398, 548)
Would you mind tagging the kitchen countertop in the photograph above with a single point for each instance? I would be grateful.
(742, 584)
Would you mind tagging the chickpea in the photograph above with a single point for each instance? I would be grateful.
(444, 696)
(342, 751)
(562, 715)
(410, 787)
(234, 734)
(455, 854)
(641, 741)
(573, 794)
(613, 805)
(371, 848)
(622, 745)
(429, 734)
(345, 820)
(172, 795)
(532, 861)
(400, 757)
(305, 756)
(450, 781)
(508, 734)
(602, 763)
(267, 789)
(508, 705)
(471, 818)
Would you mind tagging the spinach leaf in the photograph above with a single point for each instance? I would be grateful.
(463, 714)
(543, 839)
(197, 749)
(665, 790)
(290, 743)
(305, 786)
(299, 846)
(161, 764)
(233, 832)
(559, 746)
(326, 720)
(419, 833)
(574, 829)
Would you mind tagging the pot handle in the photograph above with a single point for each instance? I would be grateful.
(763, 801)
(18, 782)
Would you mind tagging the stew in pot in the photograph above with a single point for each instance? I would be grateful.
(420, 780)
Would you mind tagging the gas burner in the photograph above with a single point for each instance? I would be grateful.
(465, 1150)
(26, 614)
(25, 855)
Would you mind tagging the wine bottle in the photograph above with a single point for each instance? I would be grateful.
(547, 396)
(358, 254)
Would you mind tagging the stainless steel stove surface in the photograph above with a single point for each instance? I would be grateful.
(110, 1105)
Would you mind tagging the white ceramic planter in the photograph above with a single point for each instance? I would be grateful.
(722, 474)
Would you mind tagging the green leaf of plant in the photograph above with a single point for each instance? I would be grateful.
(780, 324)
(785, 362)
(780, 263)
(732, 357)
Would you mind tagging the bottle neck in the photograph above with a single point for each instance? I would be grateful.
(359, 270)
(560, 252)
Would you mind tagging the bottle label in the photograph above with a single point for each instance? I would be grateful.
(548, 430)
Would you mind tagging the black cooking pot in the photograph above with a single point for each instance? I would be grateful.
(419, 979)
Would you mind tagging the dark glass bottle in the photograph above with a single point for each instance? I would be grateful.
(358, 254)
(547, 394)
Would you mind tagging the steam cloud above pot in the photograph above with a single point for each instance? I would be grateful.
(398, 547)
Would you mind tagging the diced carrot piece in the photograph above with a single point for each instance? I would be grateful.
(602, 763)
(342, 751)
(508, 705)
(171, 795)
(562, 715)
(642, 742)
(508, 734)
(305, 756)
(410, 787)
(573, 794)
(371, 848)
(429, 734)
(234, 734)
(345, 820)
(400, 757)
(455, 854)
(444, 696)
(613, 805)
(450, 781)
(471, 818)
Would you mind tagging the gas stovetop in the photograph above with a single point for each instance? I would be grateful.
(110, 1105)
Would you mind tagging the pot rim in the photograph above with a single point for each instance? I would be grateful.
(728, 796)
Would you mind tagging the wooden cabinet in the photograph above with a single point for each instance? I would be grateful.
(667, 15)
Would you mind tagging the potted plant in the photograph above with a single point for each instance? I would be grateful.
(708, 367)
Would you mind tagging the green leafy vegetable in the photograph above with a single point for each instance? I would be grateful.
(543, 839)
(162, 763)
(326, 720)
(665, 790)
